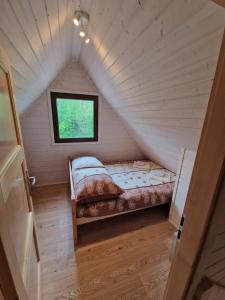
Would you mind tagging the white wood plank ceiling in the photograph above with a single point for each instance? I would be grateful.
(154, 61)
(40, 38)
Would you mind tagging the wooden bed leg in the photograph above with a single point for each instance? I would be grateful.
(74, 208)
(74, 216)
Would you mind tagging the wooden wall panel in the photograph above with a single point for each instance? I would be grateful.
(155, 64)
(49, 162)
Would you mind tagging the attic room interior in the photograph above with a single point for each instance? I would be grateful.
(112, 149)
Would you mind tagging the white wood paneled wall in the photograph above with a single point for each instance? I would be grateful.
(155, 64)
(39, 37)
(49, 162)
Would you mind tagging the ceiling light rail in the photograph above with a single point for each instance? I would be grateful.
(81, 19)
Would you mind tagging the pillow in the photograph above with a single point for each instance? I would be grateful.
(86, 162)
(94, 184)
(141, 164)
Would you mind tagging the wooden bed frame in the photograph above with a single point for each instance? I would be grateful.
(85, 220)
(74, 206)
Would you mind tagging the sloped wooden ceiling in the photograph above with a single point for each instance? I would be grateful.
(153, 60)
(40, 39)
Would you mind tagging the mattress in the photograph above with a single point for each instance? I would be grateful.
(146, 184)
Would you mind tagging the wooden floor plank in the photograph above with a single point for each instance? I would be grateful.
(123, 258)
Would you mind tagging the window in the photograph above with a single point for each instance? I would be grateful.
(75, 117)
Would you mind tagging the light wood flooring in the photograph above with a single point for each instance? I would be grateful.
(122, 258)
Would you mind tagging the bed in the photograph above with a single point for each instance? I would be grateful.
(144, 184)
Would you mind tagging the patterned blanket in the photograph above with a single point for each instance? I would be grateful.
(130, 176)
(145, 185)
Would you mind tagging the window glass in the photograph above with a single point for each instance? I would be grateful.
(75, 118)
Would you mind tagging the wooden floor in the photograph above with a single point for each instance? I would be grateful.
(123, 258)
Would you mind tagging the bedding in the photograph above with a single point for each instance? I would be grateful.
(86, 162)
(145, 186)
(94, 184)
(142, 164)
(129, 176)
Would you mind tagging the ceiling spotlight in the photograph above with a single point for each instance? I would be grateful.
(81, 19)
(77, 17)
(87, 40)
(82, 32)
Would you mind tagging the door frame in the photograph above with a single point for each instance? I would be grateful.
(203, 190)
(220, 2)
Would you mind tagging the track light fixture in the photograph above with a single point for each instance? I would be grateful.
(81, 18)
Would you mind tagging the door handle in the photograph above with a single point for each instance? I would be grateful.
(32, 180)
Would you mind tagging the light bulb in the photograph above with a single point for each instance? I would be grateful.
(87, 40)
(82, 33)
(76, 21)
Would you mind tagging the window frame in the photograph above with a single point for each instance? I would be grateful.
(54, 116)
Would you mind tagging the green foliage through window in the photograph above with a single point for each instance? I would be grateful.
(75, 118)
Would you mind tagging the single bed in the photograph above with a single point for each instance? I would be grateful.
(145, 184)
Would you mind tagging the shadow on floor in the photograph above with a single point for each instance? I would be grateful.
(109, 228)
